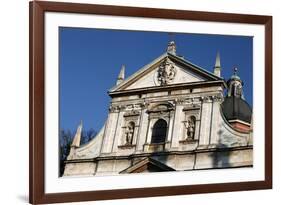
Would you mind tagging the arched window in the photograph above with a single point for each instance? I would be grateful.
(159, 131)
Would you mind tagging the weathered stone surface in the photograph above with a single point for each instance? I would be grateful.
(80, 169)
(212, 144)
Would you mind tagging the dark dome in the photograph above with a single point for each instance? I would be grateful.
(236, 108)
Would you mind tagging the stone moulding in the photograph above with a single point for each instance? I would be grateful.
(161, 153)
(189, 141)
(127, 146)
(168, 88)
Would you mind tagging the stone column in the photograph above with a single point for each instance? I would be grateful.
(142, 130)
(215, 121)
(149, 130)
(177, 128)
(205, 122)
(170, 130)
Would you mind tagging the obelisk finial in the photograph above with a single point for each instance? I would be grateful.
(77, 137)
(217, 68)
(121, 75)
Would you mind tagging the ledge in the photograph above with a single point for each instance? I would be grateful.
(188, 141)
(160, 153)
(178, 86)
(127, 146)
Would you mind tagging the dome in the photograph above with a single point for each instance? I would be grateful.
(235, 77)
(235, 108)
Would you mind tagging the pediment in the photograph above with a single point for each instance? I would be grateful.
(147, 165)
(167, 69)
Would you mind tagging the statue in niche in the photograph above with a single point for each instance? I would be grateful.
(129, 133)
(190, 128)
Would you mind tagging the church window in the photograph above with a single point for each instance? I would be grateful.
(159, 131)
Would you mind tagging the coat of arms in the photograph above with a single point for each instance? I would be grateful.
(166, 72)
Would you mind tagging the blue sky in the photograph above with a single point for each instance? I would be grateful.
(90, 60)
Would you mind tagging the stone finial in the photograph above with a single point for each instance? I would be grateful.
(217, 68)
(121, 75)
(171, 47)
(77, 137)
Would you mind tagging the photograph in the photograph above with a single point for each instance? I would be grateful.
(145, 102)
(111, 102)
(129, 102)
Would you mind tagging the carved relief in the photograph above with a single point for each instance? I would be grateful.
(211, 98)
(132, 113)
(179, 101)
(208, 99)
(218, 98)
(164, 111)
(114, 108)
(166, 72)
(132, 109)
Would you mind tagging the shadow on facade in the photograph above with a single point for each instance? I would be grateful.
(221, 154)
(160, 156)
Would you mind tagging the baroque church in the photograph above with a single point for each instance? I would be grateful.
(170, 115)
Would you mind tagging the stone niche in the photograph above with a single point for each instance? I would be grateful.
(130, 129)
(190, 124)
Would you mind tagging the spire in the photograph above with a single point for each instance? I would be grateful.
(217, 68)
(77, 137)
(121, 75)
(171, 47)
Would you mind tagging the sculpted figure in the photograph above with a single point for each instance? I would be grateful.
(190, 128)
(129, 133)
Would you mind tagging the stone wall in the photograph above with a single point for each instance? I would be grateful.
(214, 143)
(180, 161)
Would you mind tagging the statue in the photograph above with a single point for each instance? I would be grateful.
(129, 134)
(190, 128)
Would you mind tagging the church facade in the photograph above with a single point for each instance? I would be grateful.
(171, 115)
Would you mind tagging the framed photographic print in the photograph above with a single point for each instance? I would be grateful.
(138, 102)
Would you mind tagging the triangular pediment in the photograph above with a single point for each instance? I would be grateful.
(168, 69)
(147, 165)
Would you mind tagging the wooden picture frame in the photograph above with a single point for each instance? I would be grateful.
(37, 96)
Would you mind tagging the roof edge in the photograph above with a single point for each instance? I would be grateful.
(196, 67)
(141, 70)
(168, 87)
